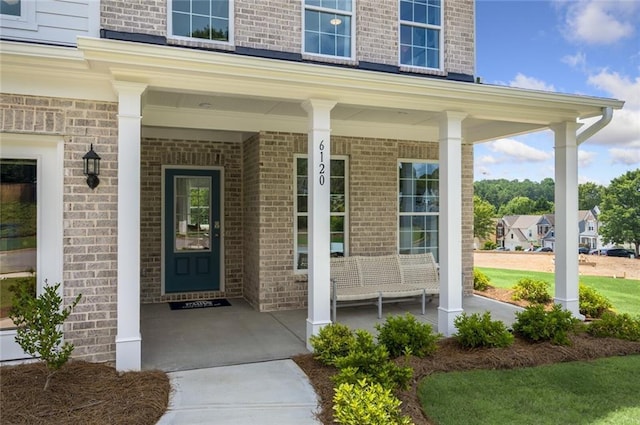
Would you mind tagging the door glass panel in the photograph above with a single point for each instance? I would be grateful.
(18, 231)
(192, 209)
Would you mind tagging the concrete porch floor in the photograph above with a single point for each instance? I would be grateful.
(178, 340)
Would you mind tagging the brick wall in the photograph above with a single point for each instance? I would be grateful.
(277, 25)
(135, 16)
(377, 31)
(273, 24)
(467, 218)
(251, 219)
(158, 152)
(372, 207)
(459, 33)
(89, 216)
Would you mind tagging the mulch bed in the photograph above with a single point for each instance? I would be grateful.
(451, 357)
(82, 393)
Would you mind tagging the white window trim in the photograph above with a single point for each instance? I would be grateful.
(48, 151)
(426, 213)
(229, 42)
(440, 28)
(26, 20)
(345, 158)
(351, 13)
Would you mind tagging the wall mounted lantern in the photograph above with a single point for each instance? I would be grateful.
(92, 168)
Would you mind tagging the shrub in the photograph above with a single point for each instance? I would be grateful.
(369, 360)
(592, 303)
(480, 331)
(622, 326)
(333, 341)
(39, 321)
(481, 281)
(405, 335)
(519, 248)
(489, 245)
(366, 403)
(533, 290)
(536, 324)
(28, 285)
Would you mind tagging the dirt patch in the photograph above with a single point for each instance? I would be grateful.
(588, 265)
(82, 393)
(451, 357)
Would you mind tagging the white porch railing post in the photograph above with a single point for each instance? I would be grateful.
(450, 231)
(566, 216)
(318, 172)
(128, 338)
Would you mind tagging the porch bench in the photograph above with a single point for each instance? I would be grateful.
(360, 278)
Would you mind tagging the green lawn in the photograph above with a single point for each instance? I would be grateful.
(624, 294)
(601, 392)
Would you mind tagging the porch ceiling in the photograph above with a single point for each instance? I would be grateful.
(207, 90)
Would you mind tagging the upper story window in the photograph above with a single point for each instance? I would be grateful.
(201, 19)
(421, 33)
(328, 27)
(11, 7)
(18, 14)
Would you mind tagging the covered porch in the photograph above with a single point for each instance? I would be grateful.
(161, 87)
(176, 340)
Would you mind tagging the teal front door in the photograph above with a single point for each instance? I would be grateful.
(192, 230)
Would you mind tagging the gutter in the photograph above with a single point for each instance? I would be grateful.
(607, 114)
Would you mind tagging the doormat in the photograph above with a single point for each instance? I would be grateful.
(187, 305)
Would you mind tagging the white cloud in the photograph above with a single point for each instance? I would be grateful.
(513, 151)
(624, 129)
(579, 60)
(625, 156)
(532, 83)
(488, 159)
(599, 22)
(586, 158)
(620, 87)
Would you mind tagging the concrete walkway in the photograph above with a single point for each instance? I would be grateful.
(269, 393)
(231, 365)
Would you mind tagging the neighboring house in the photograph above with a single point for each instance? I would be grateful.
(244, 142)
(518, 231)
(546, 231)
(539, 230)
(588, 229)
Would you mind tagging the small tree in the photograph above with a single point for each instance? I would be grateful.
(483, 214)
(39, 321)
(621, 210)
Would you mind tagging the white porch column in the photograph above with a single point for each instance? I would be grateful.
(566, 216)
(319, 154)
(128, 338)
(450, 231)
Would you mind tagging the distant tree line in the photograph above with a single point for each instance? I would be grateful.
(515, 197)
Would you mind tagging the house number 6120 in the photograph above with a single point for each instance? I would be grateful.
(321, 166)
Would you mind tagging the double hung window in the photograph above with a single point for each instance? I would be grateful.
(328, 27)
(418, 207)
(421, 33)
(337, 214)
(202, 19)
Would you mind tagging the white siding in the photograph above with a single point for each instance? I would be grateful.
(53, 21)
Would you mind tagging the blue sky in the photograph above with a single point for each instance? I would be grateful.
(587, 47)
